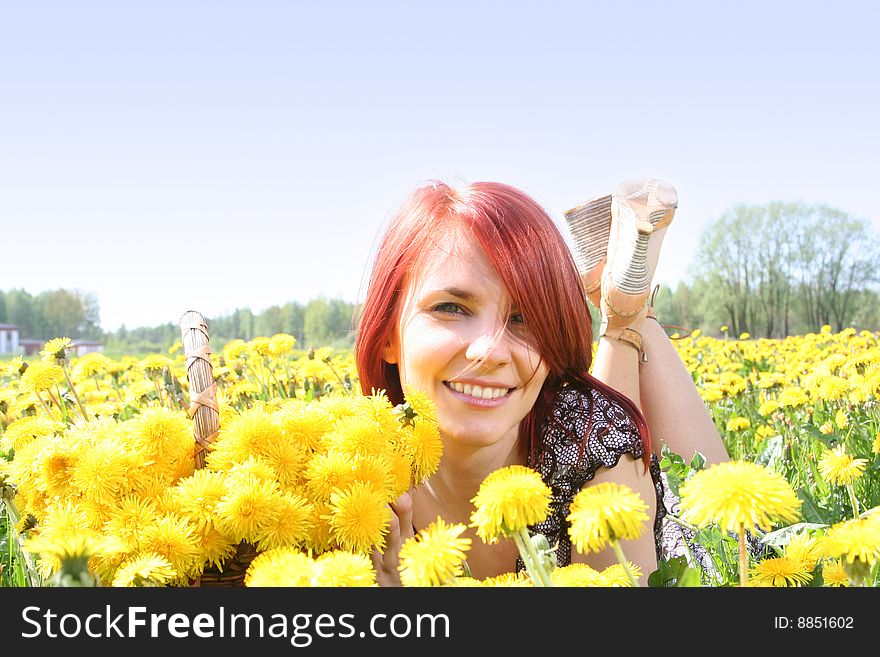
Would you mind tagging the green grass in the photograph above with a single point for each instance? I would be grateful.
(12, 567)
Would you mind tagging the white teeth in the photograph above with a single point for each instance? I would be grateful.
(478, 391)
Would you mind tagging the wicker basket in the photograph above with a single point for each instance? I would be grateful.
(206, 424)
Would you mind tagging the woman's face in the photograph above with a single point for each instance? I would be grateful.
(461, 341)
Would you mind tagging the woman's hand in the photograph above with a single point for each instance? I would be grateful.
(385, 563)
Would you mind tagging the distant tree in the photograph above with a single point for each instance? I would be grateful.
(21, 311)
(316, 323)
(270, 321)
(782, 265)
(294, 321)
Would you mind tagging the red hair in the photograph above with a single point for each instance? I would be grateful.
(532, 259)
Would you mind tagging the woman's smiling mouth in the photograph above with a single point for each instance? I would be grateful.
(481, 396)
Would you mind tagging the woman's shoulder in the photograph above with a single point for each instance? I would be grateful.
(586, 429)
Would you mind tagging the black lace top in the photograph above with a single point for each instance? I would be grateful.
(567, 460)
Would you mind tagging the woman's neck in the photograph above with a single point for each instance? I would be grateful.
(462, 469)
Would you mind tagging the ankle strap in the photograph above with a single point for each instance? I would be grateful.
(628, 335)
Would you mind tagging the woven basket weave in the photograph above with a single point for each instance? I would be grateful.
(206, 424)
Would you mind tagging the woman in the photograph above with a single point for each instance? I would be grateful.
(475, 299)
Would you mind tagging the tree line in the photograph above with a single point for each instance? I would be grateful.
(71, 313)
(770, 271)
(779, 269)
(318, 323)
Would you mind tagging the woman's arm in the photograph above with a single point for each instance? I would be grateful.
(642, 551)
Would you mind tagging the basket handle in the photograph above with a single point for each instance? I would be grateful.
(202, 388)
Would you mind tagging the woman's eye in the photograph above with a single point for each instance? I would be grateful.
(448, 307)
(517, 318)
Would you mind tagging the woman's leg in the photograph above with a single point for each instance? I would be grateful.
(675, 412)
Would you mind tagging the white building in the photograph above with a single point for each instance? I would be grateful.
(83, 347)
(8, 339)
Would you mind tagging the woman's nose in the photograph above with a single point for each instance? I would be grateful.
(490, 347)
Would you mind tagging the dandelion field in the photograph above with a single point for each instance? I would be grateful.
(99, 486)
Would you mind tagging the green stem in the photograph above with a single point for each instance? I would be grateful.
(621, 558)
(682, 523)
(278, 385)
(59, 402)
(532, 567)
(79, 403)
(853, 499)
(46, 407)
(743, 558)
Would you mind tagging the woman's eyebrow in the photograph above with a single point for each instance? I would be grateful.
(464, 295)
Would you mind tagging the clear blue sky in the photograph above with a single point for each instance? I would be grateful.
(168, 156)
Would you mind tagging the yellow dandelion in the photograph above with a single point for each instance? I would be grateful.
(423, 441)
(768, 407)
(840, 419)
(320, 537)
(171, 537)
(198, 495)
(834, 574)
(379, 410)
(508, 501)
(65, 554)
(55, 465)
(281, 344)
(129, 519)
(343, 569)
(616, 575)
(375, 470)
(744, 336)
(358, 435)
(252, 468)
(838, 467)
(248, 506)
(102, 471)
(764, 431)
(164, 432)
(466, 582)
(337, 406)
(359, 518)
(288, 526)
(154, 364)
(738, 423)
(56, 349)
(148, 569)
(780, 571)
(875, 446)
(793, 397)
(434, 556)
(577, 574)
(853, 540)
(833, 388)
(508, 580)
(215, 547)
(26, 430)
(40, 376)
(327, 472)
(400, 464)
(280, 567)
(423, 405)
(605, 512)
(827, 428)
(234, 350)
(259, 346)
(737, 495)
(305, 424)
(802, 549)
(246, 435)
